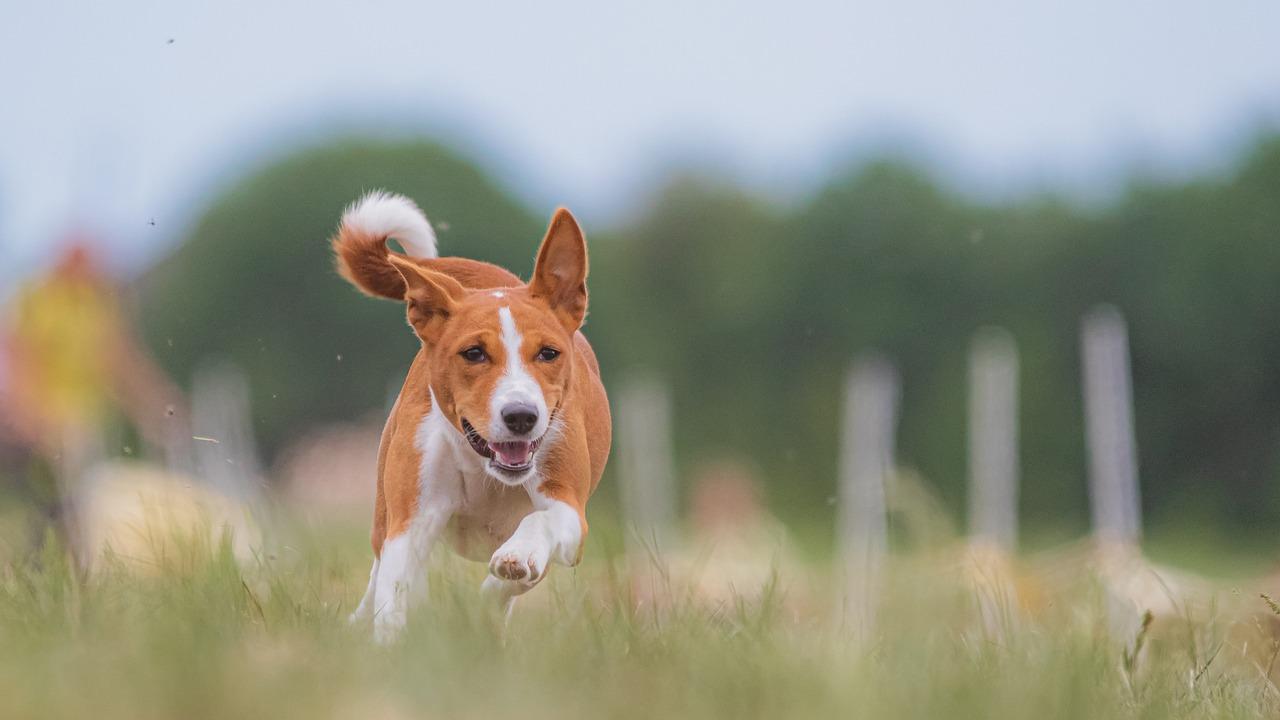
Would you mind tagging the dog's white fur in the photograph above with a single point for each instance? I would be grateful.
(515, 386)
(389, 215)
(450, 472)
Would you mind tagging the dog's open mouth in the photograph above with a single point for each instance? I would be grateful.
(514, 457)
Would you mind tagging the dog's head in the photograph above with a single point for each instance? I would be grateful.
(501, 359)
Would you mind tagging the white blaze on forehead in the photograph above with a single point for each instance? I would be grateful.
(498, 294)
(516, 386)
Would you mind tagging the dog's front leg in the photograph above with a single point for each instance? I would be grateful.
(402, 571)
(553, 532)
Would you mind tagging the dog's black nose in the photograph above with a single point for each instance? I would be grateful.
(520, 418)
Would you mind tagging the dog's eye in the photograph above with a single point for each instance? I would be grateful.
(474, 354)
(547, 354)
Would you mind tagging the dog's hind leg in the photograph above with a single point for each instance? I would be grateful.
(377, 536)
(365, 608)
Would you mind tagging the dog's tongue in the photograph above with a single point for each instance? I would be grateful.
(513, 454)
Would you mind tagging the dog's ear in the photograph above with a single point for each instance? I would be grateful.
(560, 274)
(430, 297)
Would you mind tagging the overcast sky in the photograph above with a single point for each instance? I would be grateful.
(128, 112)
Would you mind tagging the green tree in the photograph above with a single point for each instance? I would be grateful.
(254, 281)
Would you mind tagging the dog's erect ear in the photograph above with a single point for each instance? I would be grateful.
(560, 275)
(430, 296)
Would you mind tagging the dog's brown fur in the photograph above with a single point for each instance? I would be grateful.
(451, 304)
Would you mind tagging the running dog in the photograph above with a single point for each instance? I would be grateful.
(502, 429)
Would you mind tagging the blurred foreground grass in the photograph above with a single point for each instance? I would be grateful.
(206, 636)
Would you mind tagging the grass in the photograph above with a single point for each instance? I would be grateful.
(206, 636)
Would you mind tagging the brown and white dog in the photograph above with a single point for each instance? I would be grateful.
(502, 429)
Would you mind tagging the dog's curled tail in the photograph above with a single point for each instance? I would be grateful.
(361, 243)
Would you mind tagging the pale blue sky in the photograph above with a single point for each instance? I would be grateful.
(584, 103)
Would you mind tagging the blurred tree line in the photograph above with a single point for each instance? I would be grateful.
(753, 312)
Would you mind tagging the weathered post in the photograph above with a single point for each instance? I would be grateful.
(993, 477)
(1113, 471)
(1108, 401)
(993, 440)
(226, 452)
(647, 470)
(866, 461)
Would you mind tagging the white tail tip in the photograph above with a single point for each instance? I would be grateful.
(395, 216)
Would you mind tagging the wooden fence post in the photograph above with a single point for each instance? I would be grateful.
(866, 461)
(1114, 498)
(1108, 395)
(646, 466)
(222, 423)
(993, 440)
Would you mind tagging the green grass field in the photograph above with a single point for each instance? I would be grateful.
(205, 636)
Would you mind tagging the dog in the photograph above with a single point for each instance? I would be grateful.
(502, 429)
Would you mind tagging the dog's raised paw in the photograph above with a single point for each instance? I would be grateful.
(519, 562)
(510, 567)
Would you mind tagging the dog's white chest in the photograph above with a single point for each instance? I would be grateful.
(484, 512)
